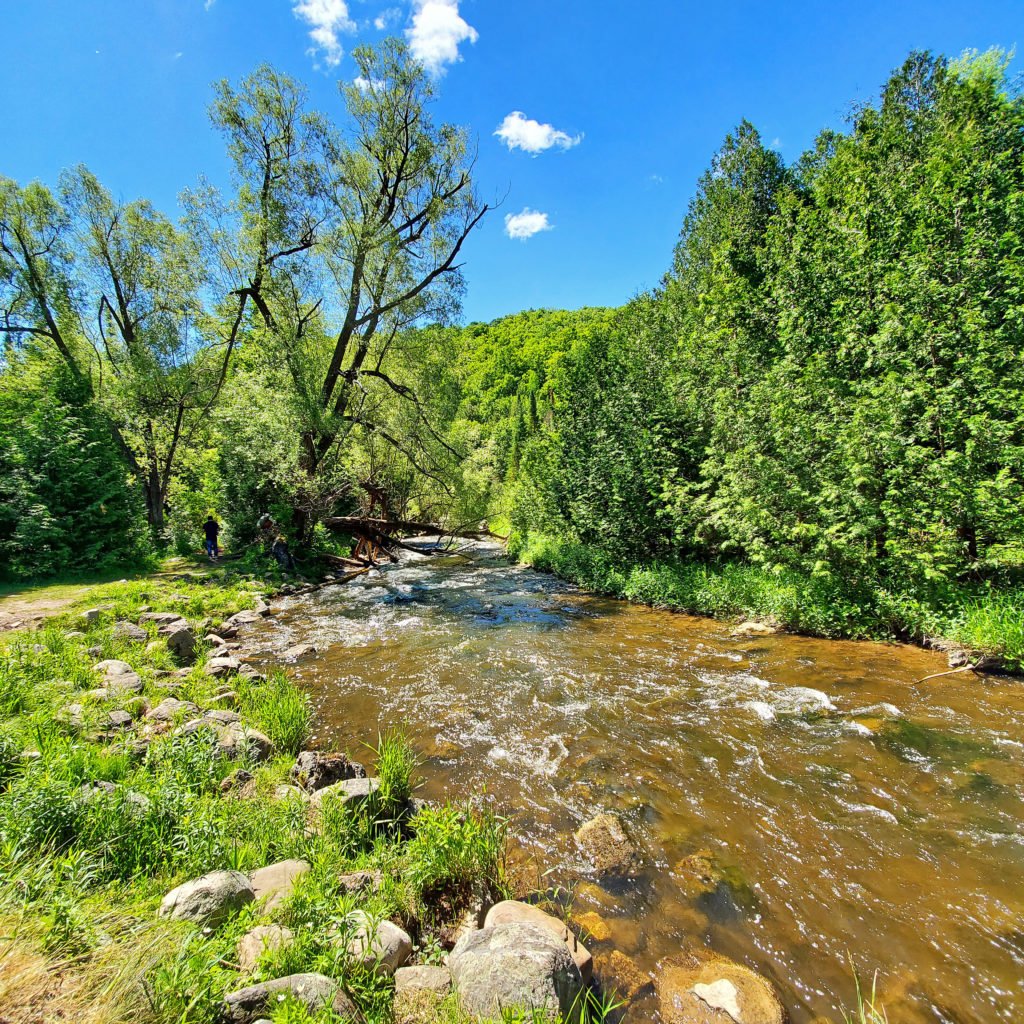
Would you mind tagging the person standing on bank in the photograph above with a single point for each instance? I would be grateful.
(212, 529)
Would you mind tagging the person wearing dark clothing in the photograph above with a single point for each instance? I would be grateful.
(212, 529)
(274, 542)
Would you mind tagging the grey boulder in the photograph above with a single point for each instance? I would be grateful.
(315, 770)
(314, 991)
(514, 912)
(210, 899)
(160, 618)
(411, 981)
(255, 943)
(349, 791)
(236, 739)
(182, 643)
(276, 881)
(129, 631)
(379, 946)
(169, 708)
(220, 667)
(515, 965)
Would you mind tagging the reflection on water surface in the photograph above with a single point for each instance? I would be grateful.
(841, 807)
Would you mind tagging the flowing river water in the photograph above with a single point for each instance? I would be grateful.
(844, 812)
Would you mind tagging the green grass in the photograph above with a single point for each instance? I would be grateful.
(987, 620)
(396, 762)
(868, 1010)
(453, 850)
(278, 709)
(82, 871)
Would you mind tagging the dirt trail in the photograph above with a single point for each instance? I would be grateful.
(29, 610)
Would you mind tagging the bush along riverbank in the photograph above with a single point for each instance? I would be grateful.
(171, 852)
(976, 624)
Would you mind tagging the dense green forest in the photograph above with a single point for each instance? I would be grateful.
(818, 414)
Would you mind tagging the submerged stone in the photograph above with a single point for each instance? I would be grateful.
(701, 987)
(604, 841)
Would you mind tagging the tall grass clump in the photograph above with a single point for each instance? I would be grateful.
(396, 762)
(456, 853)
(868, 1009)
(993, 623)
(279, 709)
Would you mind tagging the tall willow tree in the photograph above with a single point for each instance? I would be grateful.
(342, 237)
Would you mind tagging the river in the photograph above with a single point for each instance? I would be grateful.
(848, 813)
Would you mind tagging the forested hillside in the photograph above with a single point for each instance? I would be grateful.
(825, 389)
(828, 384)
(830, 376)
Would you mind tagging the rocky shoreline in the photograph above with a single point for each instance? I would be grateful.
(511, 953)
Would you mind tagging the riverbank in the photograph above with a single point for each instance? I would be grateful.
(985, 624)
(164, 843)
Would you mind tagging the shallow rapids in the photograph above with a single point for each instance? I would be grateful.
(846, 812)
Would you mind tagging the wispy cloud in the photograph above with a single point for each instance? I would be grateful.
(179, 55)
(518, 131)
(367, 84)
(526, 224)
(208, 4)
(326, 19)
(776, 144)
(387, 18)
(436, 32)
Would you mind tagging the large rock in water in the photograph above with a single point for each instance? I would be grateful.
(314, 991)
(603, 839)
(208, 900)
(704, 988)
(510, 965)
(514, 912)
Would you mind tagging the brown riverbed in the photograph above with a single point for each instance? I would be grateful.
(849, 813)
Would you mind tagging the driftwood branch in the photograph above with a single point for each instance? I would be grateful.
(388, 527)
(951, 672)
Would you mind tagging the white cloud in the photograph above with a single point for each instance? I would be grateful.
(179, 55)
(368, 84)
(526, 224)
(386, 18)
(518, 131)
(437, 29)
(208, 4)
(326, 19)
(776, 144)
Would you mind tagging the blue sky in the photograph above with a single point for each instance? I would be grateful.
(629, 99)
